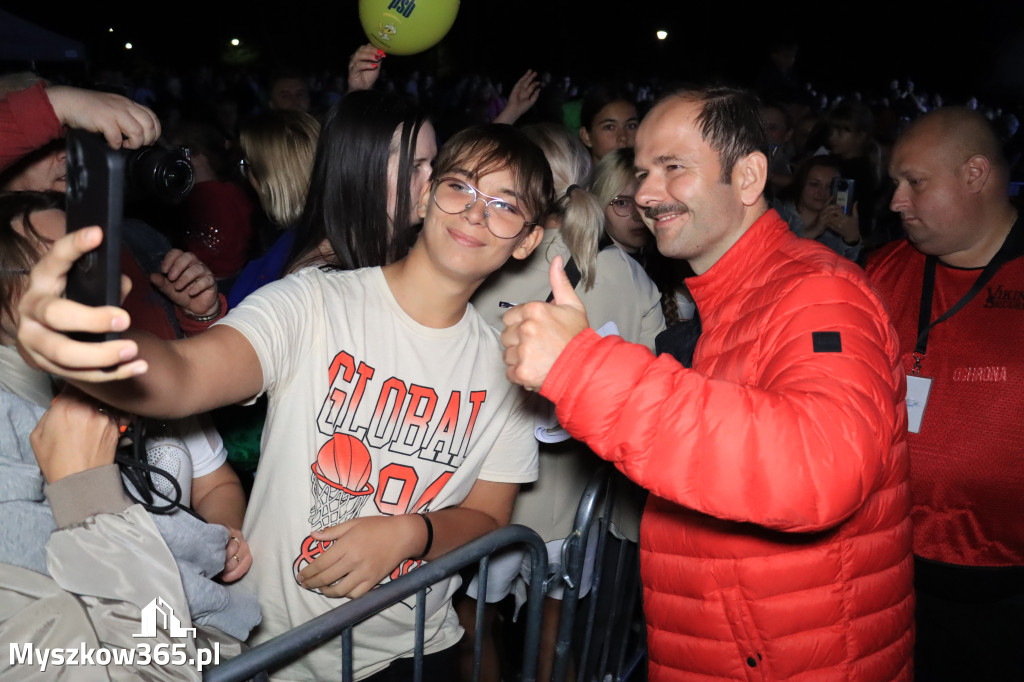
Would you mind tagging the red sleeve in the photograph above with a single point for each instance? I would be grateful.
(27, 122)
(799, 451)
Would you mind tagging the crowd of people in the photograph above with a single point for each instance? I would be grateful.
(789, 321)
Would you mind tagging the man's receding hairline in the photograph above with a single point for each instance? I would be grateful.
(699, 99)
(687, 97)
(664, 103)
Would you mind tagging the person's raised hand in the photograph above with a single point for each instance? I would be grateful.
(364, 67)
(45, 318)
(846, 225)
(536, 333)
(187, 282)
(122, 122)
(524, 95)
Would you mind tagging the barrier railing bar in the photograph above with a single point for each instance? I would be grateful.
(634, 663)
(296, 641)
(632, 585)
(612, 617)
(573, 558)
(346, 654)
(478, 628)
(602, 546)
(421, 619)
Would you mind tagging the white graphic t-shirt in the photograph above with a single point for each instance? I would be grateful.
(370, 413)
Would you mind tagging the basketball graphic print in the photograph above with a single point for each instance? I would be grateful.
(340, 480)
(345, 461)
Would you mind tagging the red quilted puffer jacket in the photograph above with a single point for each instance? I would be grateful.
(776, 542)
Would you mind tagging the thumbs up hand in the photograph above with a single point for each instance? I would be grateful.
(536, 333)
(562, 288)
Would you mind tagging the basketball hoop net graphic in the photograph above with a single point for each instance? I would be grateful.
(340, 481)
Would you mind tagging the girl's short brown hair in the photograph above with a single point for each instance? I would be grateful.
(491, 147)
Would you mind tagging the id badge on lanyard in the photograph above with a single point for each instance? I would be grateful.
(917, 399)
(919, 387)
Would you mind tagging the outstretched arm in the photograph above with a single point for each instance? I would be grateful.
(141, 373)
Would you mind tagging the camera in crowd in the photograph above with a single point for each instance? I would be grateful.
(154, 173)
(100, 182)
(164, 174)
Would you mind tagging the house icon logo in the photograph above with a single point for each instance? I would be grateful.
(160, 611)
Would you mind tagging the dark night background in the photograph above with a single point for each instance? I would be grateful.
(978, 49)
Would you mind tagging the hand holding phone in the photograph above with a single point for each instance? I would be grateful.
(45, 318)
(842, 192)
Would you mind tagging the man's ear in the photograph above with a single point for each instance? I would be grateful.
(421, 206)
(585, 137)
(975, 173)
(529, 243)
(749, 176)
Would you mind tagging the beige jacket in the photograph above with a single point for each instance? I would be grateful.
(108, 562)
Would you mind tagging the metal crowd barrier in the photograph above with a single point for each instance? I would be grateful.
(340, 621)
(621, 646)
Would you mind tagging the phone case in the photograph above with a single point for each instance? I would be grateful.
(95, 196)
(842, 190)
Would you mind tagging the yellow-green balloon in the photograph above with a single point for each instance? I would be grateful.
(407, 26)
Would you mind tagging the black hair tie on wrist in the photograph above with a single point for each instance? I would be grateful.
(570, 188)
(430, 536)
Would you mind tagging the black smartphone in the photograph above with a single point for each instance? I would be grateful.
(95, 196)
(842, 190)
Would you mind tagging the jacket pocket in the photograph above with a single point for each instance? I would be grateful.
(749, 645)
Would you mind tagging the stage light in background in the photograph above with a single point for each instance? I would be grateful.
(661, 35)
(237, 51)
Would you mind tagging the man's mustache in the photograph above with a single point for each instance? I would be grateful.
(655, 212)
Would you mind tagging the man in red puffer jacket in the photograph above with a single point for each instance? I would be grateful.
(776, 542)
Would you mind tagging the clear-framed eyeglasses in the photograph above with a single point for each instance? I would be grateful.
(623, 206)
(503, 218)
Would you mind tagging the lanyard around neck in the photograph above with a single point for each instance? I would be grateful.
(1010, 249)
